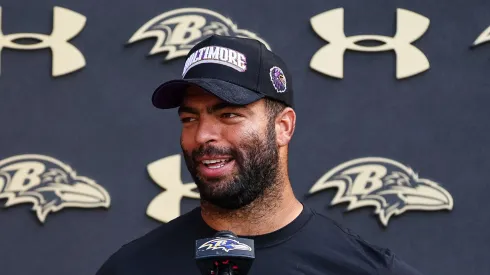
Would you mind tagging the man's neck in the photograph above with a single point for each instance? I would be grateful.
(268, 213)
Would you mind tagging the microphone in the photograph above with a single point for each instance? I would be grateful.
(224, 254)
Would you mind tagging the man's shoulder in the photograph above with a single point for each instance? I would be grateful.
(164, 232)
(339, 236)
(347, 243)
(152, 243)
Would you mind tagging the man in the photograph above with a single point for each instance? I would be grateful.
(235, 102)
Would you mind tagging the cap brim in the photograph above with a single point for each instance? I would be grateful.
(170, 94)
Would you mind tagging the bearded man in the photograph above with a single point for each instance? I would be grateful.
(235, 102)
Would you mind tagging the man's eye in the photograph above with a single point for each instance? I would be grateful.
(187, 119)
(229, 115)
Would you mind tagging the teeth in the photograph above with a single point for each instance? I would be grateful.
(216, 166)
(214, 163)
(211, 161)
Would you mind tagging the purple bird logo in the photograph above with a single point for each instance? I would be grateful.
(278, 79)
(225, 244)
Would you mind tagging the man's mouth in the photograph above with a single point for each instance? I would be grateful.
(218, 166)
(215, 163)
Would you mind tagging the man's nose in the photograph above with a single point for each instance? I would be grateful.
(207, 131)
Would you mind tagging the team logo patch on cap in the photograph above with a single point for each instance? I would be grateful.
(218, 55)
(278, 79)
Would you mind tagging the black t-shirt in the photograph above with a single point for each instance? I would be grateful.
(311, 244)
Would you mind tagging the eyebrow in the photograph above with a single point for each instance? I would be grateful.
(212, 109)
(187, 109)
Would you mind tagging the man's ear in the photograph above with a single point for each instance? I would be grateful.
(285, 124)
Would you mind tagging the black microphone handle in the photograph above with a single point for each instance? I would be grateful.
(225, 271)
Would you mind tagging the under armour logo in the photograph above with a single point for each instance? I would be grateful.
(66, 58)
(166, 173)
(329, 59)
(483, 37)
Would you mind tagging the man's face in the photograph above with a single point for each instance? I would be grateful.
(230, 151)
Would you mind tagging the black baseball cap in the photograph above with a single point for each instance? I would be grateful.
(238, 70)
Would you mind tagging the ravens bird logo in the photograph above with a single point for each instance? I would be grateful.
(177, 31)
(278, 79)
(225, 244)
(389, 186)
(48, 184)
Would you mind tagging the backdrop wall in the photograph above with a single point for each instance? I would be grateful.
(400, 121)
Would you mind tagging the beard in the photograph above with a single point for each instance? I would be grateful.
(256, 160)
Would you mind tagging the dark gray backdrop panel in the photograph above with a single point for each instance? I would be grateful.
(100, 121)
